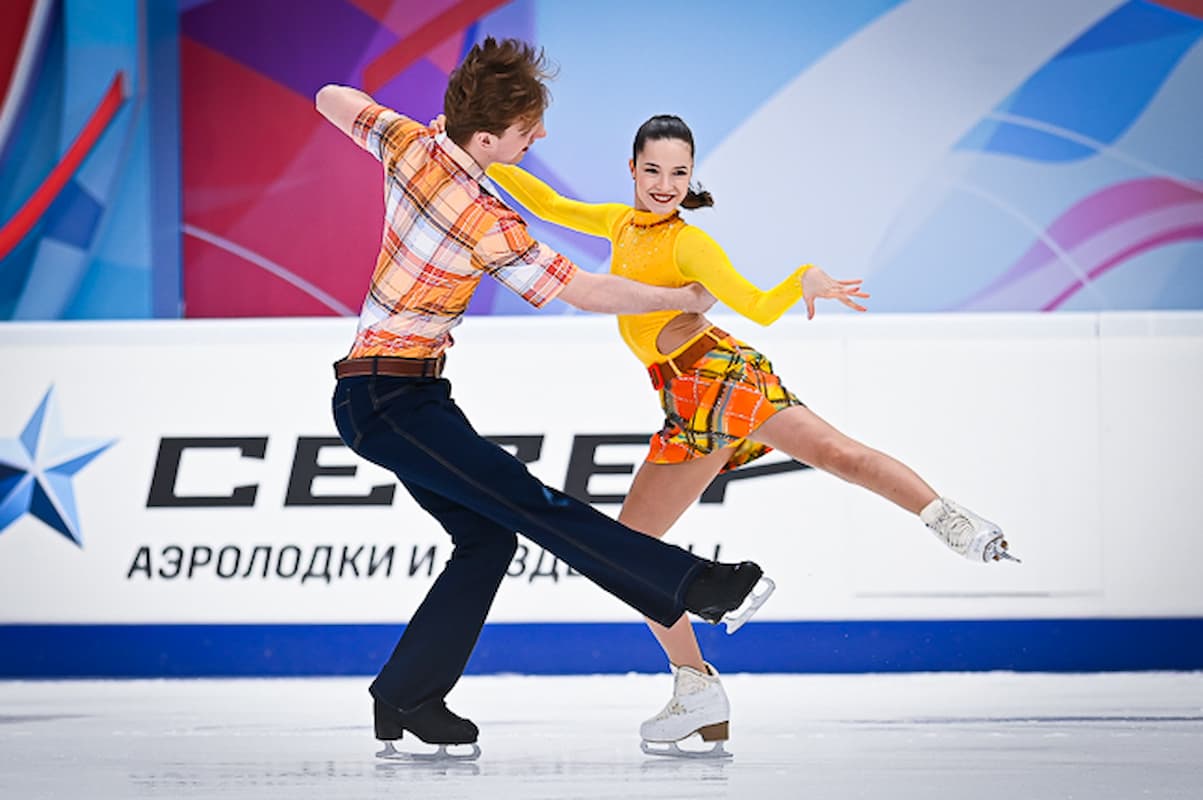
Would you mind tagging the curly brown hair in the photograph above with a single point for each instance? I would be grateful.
(496, 85)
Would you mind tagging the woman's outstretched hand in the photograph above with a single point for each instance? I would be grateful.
(816, 283)
(438, 124)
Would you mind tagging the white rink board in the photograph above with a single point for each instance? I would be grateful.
(1079, 433)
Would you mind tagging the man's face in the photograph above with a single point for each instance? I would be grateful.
(512, 145)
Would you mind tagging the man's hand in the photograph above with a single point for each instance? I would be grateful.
(816, 283)
(698, 299)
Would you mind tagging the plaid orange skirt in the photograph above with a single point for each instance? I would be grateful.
(717, 403)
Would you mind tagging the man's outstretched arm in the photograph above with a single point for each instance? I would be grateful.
(612, 294)
(341, 105)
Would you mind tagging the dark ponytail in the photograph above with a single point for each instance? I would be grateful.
(670, 126)
(697, 199)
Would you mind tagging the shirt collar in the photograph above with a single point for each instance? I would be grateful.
(460, 157)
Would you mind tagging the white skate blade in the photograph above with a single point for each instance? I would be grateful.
(997, 550)
(672, 750)
(735, 619)
(441, 755)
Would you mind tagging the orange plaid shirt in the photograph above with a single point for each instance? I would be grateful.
(443, 230)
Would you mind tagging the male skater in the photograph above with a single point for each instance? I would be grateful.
(444, 229)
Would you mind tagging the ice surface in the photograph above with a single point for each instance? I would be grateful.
(983, 735)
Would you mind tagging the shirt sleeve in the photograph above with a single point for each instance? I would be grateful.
(528, 268)
(701, 259)
(595, 219)
(384, 133)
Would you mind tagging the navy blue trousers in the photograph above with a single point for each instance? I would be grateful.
(482, 496)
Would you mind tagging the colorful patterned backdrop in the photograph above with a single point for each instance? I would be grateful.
(958, 156)
(89, 191)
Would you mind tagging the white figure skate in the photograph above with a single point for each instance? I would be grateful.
(698, 705)
(979, 540)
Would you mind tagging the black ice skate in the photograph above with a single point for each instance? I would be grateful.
(721, 589)
(431, 723)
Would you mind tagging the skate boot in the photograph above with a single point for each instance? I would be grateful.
(698, 705)
(719, 591)
(431, 723)
(966, 533)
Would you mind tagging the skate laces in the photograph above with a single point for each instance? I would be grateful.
(955, 528)
(686, 681)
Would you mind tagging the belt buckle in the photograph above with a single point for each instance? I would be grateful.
(657, 371)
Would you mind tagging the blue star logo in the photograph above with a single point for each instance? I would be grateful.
(36, 470)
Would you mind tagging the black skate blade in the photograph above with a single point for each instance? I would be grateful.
(673, 750)
(440, 756)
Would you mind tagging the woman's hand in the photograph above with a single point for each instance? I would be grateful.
(816, 283)
(438, 124)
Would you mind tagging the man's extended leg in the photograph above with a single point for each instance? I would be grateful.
(414, 429)
(442, 453)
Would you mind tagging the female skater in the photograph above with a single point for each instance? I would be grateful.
(723, 405)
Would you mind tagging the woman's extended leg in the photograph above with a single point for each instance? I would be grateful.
(801, 433)
(804, 435)
(658, 497)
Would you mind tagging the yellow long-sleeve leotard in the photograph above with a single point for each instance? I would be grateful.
(658, 249)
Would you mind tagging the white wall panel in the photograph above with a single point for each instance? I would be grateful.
(1079, 433)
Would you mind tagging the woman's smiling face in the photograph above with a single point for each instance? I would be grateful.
(662, 171)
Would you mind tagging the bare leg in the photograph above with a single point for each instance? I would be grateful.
(660, 493)
(658, 497)
(802, 434)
